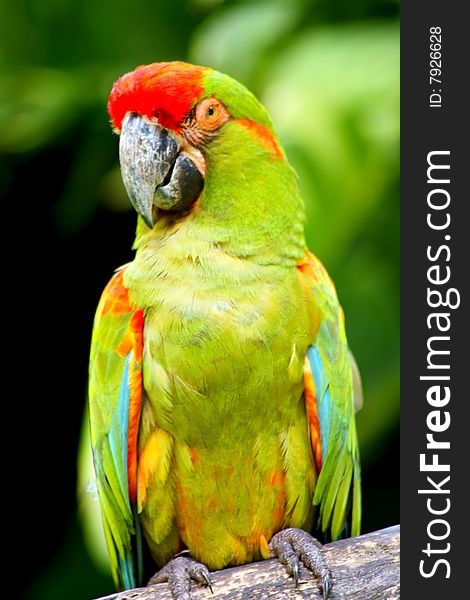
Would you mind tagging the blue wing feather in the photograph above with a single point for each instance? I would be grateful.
(118, 431)
(116, 356)
(337, 493)
(320, 379)
(118, 435)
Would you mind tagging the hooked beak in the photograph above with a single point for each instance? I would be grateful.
(153, 169)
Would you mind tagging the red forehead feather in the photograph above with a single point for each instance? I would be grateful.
(164, 90)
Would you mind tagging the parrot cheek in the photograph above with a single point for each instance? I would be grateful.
(196, 157)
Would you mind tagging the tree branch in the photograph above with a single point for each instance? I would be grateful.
(364, 567)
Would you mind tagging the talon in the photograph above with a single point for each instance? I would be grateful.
(208, 583)
(292, 544)
(296, 573)
(207, 580)
(326, 586)
(178, 573)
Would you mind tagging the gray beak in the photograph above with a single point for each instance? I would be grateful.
(153, 170)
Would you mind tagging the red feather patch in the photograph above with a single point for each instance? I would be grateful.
(312, 414)
(166, 91)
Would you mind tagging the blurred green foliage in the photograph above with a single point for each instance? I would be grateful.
(328, 72)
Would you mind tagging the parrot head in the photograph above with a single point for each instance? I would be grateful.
(198, 152)
(168, 116)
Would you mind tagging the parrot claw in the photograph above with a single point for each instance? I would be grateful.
(178, 573)
(326, 586)
(207, 580)
(291, 545)
(296, 573)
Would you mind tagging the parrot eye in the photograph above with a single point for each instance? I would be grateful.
(210, 114)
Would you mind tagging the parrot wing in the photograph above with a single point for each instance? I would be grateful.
(332, 394)
(115, 398)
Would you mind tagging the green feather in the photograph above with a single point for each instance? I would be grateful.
(357, 506)
(341, 502)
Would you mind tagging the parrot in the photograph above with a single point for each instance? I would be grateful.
(222, 389)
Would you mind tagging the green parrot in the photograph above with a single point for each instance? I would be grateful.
(222, 391)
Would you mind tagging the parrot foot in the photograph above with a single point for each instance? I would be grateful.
(291, 545)
(178, 573)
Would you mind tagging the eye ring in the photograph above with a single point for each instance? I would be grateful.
(210, 114)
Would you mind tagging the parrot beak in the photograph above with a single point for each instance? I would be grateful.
(154, 171)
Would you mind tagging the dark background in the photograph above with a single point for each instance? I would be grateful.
(328, 73)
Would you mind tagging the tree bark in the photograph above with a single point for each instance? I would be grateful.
(364, 568)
